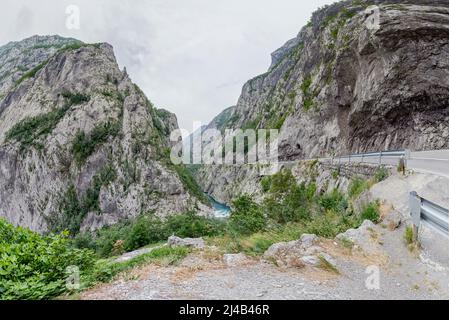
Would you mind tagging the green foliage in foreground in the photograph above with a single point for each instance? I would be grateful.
(34, 266)
(246, 217)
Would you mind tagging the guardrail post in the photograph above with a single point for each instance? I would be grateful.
(380, 158)
(407, 154)
(415, 203)
(349, 158)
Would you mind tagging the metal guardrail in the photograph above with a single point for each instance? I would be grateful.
(432, 214)
(361, 157)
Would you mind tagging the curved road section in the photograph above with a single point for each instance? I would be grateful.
(434, 162)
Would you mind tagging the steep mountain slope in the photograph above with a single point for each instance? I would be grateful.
(80, 144)
(344, 85)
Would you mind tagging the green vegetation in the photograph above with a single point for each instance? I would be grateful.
(34, 266)
(106, 271)
(308, 96)
(371, 212)
(381, 174)
(37, 267)
(75, 98)
(357, 186)
(246, 216)
(31, 73)
(288, 210)
(73, 208)
(411, 239)
(190, 183)
(30, 130)
(84, 145)
(148, 229)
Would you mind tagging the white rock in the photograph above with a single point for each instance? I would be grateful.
(175, 241)
(233, 260)
(311, 260)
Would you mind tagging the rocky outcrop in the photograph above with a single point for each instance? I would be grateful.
(345, 85)
(80, 144)
(175, 241)
(299, 253)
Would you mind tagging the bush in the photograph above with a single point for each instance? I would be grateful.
(145, 230)
(34, 266)
(265, 183)
(334, 201)
(246, 216)
(291, 207)
(381, 174)
(356, 187)
(371, 212)
(75, 98)
(149, 229)
(191, 225)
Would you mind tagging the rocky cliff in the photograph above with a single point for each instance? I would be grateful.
(357, 78)
(80, 144)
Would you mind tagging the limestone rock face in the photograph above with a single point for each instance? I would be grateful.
(80, 145)
(347, 84)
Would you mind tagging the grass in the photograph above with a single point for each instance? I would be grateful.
(327, 266)
(106, 270)
(357, 186)
(411, 240)
(381, 174)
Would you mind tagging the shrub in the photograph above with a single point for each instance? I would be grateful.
(246, 216)
(356, 187)
(334, 201)
(75, 98)
(409, 235)
(381, 174)
(144, 230)
(282, 182)
(370, 212)
(149, 229)
(34, 266)
(191, 225)
(265, 183)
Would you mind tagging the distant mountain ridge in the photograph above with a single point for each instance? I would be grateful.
(80, 145)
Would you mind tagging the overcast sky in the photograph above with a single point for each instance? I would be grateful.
(191, 57)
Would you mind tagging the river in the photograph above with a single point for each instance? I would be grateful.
(220, 209)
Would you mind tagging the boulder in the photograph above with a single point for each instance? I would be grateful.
(233, 260)
(175, 241)
(362, 237)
